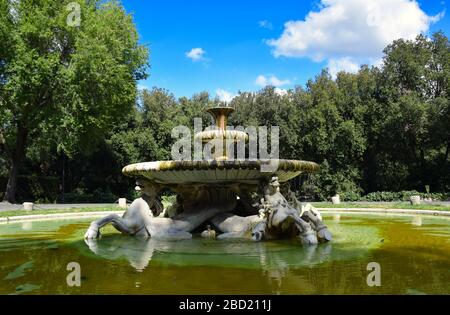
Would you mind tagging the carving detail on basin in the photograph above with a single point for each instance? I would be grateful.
(245, 171)
(232, 135)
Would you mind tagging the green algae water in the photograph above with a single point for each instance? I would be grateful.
(413, 253)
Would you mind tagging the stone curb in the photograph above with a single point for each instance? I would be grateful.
(58, 216)
(101, 213)
(381, 210)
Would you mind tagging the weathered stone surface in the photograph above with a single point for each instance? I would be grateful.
(28, 206)
(336, 200)
(208, 233)
(415, 200)
(171, 173)
(122, 203)
(275, 216)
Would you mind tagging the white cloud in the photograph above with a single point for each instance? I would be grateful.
(262, 80)
(342, 64)
(196, 54)
(437, 17)
(224, 96)
(265, 24)
(281, 92)
(142, 86)
(346, 32)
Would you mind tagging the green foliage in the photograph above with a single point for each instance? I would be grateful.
(168, 199)
(62, 87)
(82, 196)
(403, 196)
(148, 134)
(373, 132)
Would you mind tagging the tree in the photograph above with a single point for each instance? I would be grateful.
(414, 98)
(60, 81)
(148, 135)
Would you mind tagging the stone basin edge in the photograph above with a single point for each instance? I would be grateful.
(75, 215)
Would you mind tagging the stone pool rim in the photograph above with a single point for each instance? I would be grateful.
(56, 216)
(79, 215)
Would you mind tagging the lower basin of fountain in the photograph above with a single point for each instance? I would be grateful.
(412, 251)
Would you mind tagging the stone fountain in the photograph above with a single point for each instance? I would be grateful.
(236, 197)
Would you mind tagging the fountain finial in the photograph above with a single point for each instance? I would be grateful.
(220, 115)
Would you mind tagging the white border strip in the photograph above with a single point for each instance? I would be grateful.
(382, 210)
(72, 215)
(51, 216)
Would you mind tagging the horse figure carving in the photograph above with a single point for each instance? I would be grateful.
(276, 216)
(140, 218)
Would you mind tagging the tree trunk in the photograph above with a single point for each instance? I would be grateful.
(446, 153)
(16, 158)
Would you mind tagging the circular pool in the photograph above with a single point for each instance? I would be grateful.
(412, 253)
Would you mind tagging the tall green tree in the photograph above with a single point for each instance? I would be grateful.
(67, 74)
(148, 135)
(414, 97)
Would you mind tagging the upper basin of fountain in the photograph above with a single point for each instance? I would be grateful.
(220, 115)
(221, 169)
(233, 135)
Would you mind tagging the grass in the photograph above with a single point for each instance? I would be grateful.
(14, 213)
(397, 205)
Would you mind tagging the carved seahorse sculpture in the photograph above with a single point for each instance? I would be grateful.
(309, 214)
(138, 219)
(277, 216)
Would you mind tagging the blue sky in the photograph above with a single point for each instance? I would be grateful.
(225, 46)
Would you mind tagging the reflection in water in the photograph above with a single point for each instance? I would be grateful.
(27, 225)
(138, 251)
(274, 261)
(413, 260)
(276, 269)
(417, 220)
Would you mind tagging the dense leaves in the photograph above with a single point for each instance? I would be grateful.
(62, 85)
(382, 129)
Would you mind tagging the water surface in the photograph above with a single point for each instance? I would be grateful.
(413, 253)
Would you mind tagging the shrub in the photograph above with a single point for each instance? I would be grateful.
(39, 189)
(403, 196)
(350, 195)
(103, 196)
(79, 195)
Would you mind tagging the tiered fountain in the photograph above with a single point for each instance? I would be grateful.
(236, 197)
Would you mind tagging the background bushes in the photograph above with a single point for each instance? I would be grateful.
(402, 196)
